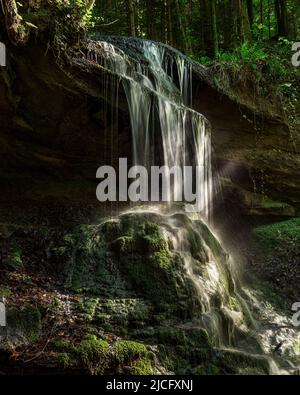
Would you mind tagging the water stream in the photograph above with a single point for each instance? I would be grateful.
(165, 129)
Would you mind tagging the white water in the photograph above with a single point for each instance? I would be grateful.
(165, 130)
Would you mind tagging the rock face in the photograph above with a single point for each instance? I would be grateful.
(256, 153)
(55, 128)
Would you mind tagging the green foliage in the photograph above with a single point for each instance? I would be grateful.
(264, 69)
(58, 22)
(250, 54)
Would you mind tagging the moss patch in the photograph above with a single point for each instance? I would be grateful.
(94, 354)
(26, 322)
(279, 234)
(129, 351)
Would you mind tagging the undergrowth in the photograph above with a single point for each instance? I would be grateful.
(260, 71)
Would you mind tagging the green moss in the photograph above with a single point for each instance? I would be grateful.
(110, 231)
(171, 336)
(148, 263)
(61, 345)
(124, 245)
(296, 347)
(14, 259)
(92, 270)
(128, 351)
(212, 242)
(94, 354)
(65, 360)
(123, 312)
(88, 306)
(278, 234)
(196, 246)
(237, 362)
(5, 292)
(26, 321)
(271, 204)
(278, 254)
(128, 258)
(207, 370)
(142, 368)
(149, 238)
(199, 338)
(271, 296)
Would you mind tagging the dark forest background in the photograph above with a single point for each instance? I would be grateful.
(202, 28)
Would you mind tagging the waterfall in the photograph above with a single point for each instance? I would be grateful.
(166, 131)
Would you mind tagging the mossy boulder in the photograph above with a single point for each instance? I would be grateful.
(129, 351)
(23, 327)
(94, 354)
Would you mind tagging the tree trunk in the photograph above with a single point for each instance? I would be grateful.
(170, 22)
(250, 12)
(150, 21)
(16, 31)
(240, 24)
(131, 18)
(209, 23)
(214, 28)
(281, 15)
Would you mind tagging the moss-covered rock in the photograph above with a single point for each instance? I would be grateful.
(126, 351)
(23, 326)
(142, 368)
(94, 354)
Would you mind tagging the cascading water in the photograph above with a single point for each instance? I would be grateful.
(167, 131)
(159, 93)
